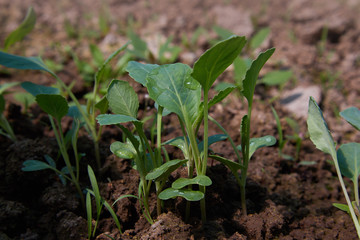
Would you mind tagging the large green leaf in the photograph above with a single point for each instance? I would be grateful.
(187, 194)
(349, 160)
(352, 116)
(111, 119)
(252, 74)
(256, 143)
(166, 85)
(36, 89)
(18, 62)
(55, 105)
(163, 172)
(318, 130)
(24, 28)
(199, 180)
(215, 60)
(139, 71)
(122, 98)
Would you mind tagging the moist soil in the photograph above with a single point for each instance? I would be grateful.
(286, 199)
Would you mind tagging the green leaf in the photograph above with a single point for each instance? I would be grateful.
(241, 66)
(215, 60)
(277, 77)
(187, 194)
(352, 116)
(252, 74)
(100, 73)
(163, 172)
(318, 130)
(102, 105)
(183, 182)
(166, 86)
(349, 160)
(178, 142)
(122, 98)
(342, 207)
(36, 89)
(89, 212)
(245, 135)
(293, 124)
(18, 62)
(113, 215)
(222, 32)
(111, 119)
(34, 165)
(55, 105)
(96, 54)
(222, 94)
(24, 28)
(259, 38)
(123, 150)
(139, 71)
(140, 48)
(24, 98)
(6, 86)
(233, 166)
(95, 188)
(50, 161)
(75, 113)
(256, 143)
(211, 140)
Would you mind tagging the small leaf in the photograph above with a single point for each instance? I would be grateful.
(139, 71)
(256, 143)
(102, 105)
(222, 94)
(349, 160)
(122, 98)
(215, 60)
(55, 105)
(18, 62)
(96, 54)
(277, 77)
(140, 47)
(163, 172)
(252, 74)
(50, 161)
(6, 86)
(111, 119)
(123, 150)
(95, 188)
(183, 182)
(34, 165)
(241, 66)
(342, 207)
(259, 38)
(36, 89)
(24, 28)
(233, 166)
(75, 113)
(222, 32)
(178, 142)
(352, 116)
(187, 194)
(318, 130)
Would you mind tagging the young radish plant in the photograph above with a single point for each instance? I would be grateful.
(346, 159)
(93, 105)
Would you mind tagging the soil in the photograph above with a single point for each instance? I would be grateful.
(286, 199)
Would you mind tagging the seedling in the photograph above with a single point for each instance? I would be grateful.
(346, 159)
(5, 127)
(99, 203)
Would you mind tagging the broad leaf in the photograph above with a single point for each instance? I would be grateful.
(34, 165)
(187, 194)
(259, 38)
(277, 77)
(18, 62)
(256, 143)
(352, 116)
(163, 172)
(252, 74)
(349, 160)
(123, 150)
(111, 119)
(166, 85)
(36, 89)
(215, 60)
(122, 98)
(139, 71)
(318, 130)
(24, 28)
(199, 180)
(55, 105)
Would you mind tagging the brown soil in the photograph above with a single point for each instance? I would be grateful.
(285, 199)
